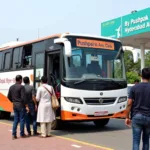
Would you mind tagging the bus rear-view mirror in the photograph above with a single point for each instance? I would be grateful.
(67, 45)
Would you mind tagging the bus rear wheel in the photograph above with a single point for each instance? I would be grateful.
(7, 115)
(4, 115)
(101, 123)
(1, 114)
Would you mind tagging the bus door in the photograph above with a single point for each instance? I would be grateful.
(52, 67)
(53, 70)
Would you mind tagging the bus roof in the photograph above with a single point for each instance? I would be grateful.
(26, 43)
(88, 35)
(52, 36)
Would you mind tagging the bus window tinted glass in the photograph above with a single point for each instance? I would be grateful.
(27, 56)
(1, 61)
(40, 60)
(94, 63)
(7, 61)
(16, 53)
(39, 64)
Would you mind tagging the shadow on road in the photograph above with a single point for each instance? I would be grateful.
(88, 127)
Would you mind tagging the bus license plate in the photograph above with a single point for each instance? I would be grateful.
(101, 113)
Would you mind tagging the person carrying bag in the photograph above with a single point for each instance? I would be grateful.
(47, 104)
(54, 100)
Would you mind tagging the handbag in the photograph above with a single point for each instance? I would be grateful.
(54, 100)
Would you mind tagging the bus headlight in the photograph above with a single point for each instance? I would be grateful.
(122, 99)
(73, 100)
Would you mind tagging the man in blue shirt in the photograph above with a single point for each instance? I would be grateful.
(139, 107)
(32, 105)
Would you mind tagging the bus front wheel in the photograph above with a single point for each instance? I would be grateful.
(56, 124)
(101, 123)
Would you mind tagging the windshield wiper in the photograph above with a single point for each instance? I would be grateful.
(108, 80)
(113, 81)
(81, 81)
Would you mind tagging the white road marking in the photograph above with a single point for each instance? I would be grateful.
(10, 130)
(76, 146)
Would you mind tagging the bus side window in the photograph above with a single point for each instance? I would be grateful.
(27, 56)
(1, 60)
(16, 62)
(7, 61)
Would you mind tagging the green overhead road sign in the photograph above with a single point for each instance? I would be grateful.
(132, 24)
(111, 28)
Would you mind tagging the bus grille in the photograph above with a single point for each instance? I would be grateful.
(100, 101)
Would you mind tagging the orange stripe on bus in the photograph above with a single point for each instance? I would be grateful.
(30, 42)
(31, 77)
(5, 103)
(66, 115)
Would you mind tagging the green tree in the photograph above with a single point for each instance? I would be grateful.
(147, 59)
(132, 76)
(132, 69)
(129, 64)
(128, 58)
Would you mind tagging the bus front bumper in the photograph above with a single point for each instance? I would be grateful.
(71, 116)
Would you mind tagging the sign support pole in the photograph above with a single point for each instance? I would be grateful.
(142, 55)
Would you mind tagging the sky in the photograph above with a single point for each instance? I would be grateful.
(24, 18)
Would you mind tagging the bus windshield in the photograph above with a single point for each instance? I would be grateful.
(94, 63)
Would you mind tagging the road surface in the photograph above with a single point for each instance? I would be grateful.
(114, 136)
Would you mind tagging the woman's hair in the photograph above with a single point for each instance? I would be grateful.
(44, 79)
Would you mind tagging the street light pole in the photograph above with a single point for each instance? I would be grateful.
(38, 33)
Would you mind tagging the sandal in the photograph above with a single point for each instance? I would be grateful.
(42, 136)
(49, 136)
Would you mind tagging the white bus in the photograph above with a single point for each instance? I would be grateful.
(87, 72)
